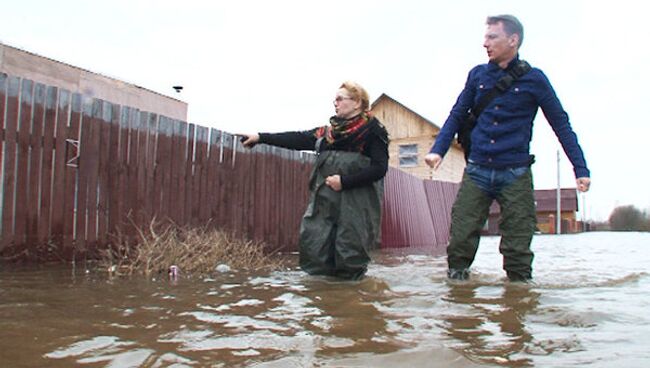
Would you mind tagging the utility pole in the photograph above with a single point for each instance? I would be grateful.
(558, 212)
(584, 212)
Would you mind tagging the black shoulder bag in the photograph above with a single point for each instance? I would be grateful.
(521, 68)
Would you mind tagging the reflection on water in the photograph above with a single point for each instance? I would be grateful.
(488, 321)
(587, 307)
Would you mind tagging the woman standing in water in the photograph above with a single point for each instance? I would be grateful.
(343, 218)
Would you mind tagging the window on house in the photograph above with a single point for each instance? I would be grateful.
(408, 155)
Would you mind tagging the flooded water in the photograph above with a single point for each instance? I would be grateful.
(588, 307)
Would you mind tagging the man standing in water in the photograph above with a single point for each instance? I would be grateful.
(498, 164)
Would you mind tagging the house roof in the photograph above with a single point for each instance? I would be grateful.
(545, 200)
(73, 67)
(387, 97)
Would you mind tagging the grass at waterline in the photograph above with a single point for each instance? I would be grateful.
(193, 251)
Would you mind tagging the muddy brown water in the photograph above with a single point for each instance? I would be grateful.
(589, 306)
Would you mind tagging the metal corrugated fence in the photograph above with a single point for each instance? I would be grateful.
(416, 212)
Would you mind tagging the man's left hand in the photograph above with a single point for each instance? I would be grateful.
(583, 184)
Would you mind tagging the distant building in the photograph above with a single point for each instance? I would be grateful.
(546, 207)
(23, 64)
(412, 136)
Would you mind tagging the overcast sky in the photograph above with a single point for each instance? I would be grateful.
(250, 66)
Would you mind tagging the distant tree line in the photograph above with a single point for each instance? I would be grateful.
(629, 218)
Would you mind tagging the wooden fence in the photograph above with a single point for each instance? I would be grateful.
(75, 171)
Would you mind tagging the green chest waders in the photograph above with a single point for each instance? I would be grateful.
(339, 228)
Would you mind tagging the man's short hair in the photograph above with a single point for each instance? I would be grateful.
(511, 25)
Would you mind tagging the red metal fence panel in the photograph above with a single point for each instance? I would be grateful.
(407, 221)
(440, 197)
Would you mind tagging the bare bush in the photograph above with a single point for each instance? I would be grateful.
(195, 251)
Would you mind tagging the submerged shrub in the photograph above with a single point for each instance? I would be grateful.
(196, 251)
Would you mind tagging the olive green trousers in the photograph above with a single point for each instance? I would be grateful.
(517, 225)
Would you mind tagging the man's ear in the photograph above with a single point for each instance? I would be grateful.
(513, 40)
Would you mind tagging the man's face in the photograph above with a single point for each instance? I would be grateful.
(499, 46)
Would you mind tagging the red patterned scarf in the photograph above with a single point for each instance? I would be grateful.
(347, 134)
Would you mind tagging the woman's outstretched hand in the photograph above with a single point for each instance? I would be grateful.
(249, 140)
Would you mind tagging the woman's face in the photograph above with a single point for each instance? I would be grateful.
(345, 106)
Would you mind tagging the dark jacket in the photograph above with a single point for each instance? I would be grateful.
(375, 147)
(504, 129)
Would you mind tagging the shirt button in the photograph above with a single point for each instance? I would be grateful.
(496, 107)
(492, 141)
(490, 159)
(480, 86)
(516, 89)
(495, 123)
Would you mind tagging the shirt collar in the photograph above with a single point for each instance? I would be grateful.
(513, 62)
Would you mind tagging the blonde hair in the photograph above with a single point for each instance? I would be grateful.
(357, 93)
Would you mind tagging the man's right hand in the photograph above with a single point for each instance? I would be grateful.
(433, 160)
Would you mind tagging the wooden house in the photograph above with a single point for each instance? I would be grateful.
(411, 138)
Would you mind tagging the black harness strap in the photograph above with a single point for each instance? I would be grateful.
(502, 85)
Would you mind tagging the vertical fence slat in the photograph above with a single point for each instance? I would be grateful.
(91, 159)
(72, 240)
(180, 165)
(115, 192)
(104, 172)
(35, 169)
(174, 161)
(151, 193)
(141, 178)
(3, 105)
(124, 189)
(22, 161)
(243, 167)
(189, 174)
(163, 167)
(133, 132)
(199, 175)
(49, 125)
(204, 210)
(213, 179)
(59, 166)
(9, 175)
(222, 185)
(259, 205)
(83, 173)
(196, 176)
